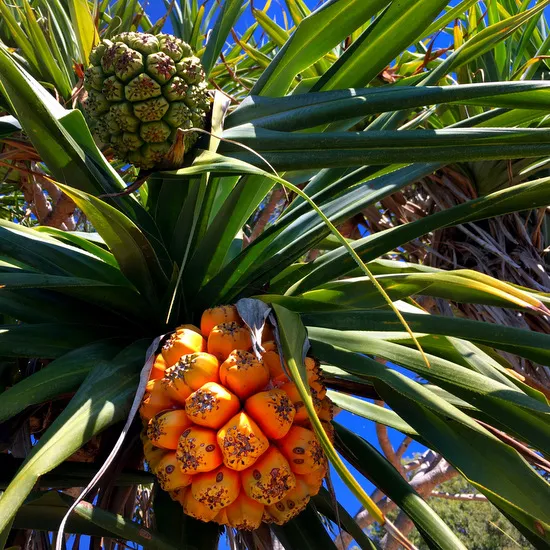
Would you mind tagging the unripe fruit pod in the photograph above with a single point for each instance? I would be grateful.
(226, 337)
(189, 374)
(198, 450)
(169, 475)
(243, 374)
(182, 342)
(244, 513)
(302, 450)
(165, 428)
(216, 489)
(212, 405)
(241, 442)
(290, 506)
(273, 411)
(216, 316)
(270, 479)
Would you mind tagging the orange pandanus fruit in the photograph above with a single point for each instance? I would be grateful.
(226, 432)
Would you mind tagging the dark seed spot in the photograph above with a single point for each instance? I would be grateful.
(290, 504)
(280, 506)
(169, 469)
(298, 450)
(256, 474)
(219, 477)
(186, 432)
(298, 461)
(210, 448)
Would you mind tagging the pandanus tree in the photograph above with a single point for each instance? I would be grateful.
(311, 110)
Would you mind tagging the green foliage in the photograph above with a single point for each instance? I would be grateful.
(91, 305)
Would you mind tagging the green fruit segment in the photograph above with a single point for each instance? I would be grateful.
(142, 89)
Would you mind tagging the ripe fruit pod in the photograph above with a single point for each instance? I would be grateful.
(241, 442)
(270, 479)
(198, 450)
(183, 342)
(211, 405)
(216, 316)
(302, 450)
(165, 428)
(244, 513)
(216, 489)
(243, 374)
(226, 337)
(244, 448)
(290, 506)
(273, 411)
(169, 473)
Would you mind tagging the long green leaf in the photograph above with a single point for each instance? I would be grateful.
(103, 399)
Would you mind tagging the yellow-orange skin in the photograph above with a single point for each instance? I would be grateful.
(192, 507)
(314, 480)
(198, 450)
(243, 374)
(221, 517)
(241, 442)
(327, 410)
(212, 405)
(155, 401)
(182, 342)
(189, 374)
(244, 513)
(272, 361)
(216, 489)
(226, 337)
(301, 411)
(273, 411)
(169, 475)
(269, 479)
(216, 316)
(153, 455)
(290, 506)
(159, 366)
(194, 328)
(165, 428)
(302, 450)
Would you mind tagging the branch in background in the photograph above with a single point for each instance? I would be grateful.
(386, 446)
(432, 470)
(471, 497)
(267, 211)
(403, 447)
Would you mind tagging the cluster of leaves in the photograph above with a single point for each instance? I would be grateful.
(325, 119)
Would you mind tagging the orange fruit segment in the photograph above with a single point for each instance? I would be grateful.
(302, 450)
(216, 316)
(182, 342)
(241, 442)
(212, 405)
(165, 428)
(169, 475)
(198, 450)
(216, 489)
(273, 411)
(269, 479)
(244, 513)
(243, 374)
(226, 337)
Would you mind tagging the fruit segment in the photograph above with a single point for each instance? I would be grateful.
(273, 411)
(198, 450)
(211, 405)
(243, 374)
